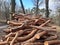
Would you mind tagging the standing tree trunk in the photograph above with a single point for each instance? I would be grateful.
(22, 6)
(47, 6)
(37, 7)
(13, 6)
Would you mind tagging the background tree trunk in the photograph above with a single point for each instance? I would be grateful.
(22, 6)
(47, 8)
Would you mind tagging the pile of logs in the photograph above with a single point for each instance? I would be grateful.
(30, 30)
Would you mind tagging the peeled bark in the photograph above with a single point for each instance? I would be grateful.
(52, 42)
(25, 37)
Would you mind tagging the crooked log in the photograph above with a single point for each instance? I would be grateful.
(52, 42)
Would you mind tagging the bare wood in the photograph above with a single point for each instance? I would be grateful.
(25, 37)
(52, 42)
(14, 39)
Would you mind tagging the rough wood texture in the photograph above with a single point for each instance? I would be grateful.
(52, 42)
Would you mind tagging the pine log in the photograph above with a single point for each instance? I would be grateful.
(36, 36)
(14, 39)
(25, 37)
(14, 23)
(52, 42)
(41, 34)
(43, 28)
(35, 43)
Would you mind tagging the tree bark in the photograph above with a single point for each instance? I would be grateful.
(52, 42)
(47, 8)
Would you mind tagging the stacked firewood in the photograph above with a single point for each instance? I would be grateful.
(30, 30)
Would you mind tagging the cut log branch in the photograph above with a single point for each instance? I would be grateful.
(52, 42)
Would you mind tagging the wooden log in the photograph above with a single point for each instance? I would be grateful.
(4, 42)
(14, 29)
(43, 28)
(36, 36)
(45, 23)
(52, 37)
(34, 43)
(25, 37)
(52, 42)
(14, 39)
(13, 33)
(14, 23)
(40, 34)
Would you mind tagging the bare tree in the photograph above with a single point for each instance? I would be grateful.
(13, 6)
(37, 3)
(47, 8)
(22, 6)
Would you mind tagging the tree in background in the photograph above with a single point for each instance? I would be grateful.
(22, 6)
(37, 3)
(47, 8)
(13, 6)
